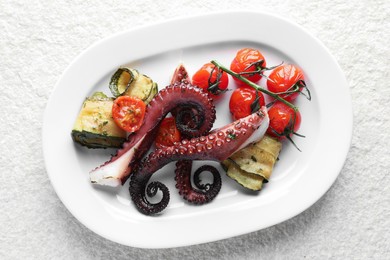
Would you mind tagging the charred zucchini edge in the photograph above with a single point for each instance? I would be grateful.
(96, 141)
(118, 76)
(94, 126)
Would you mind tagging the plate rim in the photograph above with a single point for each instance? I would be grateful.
(168, 244)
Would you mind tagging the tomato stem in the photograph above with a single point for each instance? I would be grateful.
(290, 129)
(253, 85)
(213, 86)
(300, 84)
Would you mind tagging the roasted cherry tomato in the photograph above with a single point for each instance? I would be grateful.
(248, 60)
(168, 133)
(211, 79)
(283, 78)
(128, 113)
(284, 121)
(244, 101)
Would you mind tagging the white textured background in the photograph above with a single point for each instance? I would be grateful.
(38, 39)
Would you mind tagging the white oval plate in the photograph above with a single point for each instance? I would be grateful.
(299, 178)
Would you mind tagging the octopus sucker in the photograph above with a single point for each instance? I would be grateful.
(203, 193)
(254, 125)
(187, 118)
(117, 170)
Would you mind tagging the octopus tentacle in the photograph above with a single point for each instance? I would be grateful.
(204, 192)
(218, 145)
(116, 171)
(186, 119)
(152, 208)
(138, 185)
(180, 75)
(208, 187)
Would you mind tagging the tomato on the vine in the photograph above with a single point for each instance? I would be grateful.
(284, 121)
(167, 133)
(211, 79)
(128, 112)
(244, 101)
(248, 62)
(283, 78)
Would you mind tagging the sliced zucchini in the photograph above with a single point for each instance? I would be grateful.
(122, 79)
(260, 157)
(95, 127)
(246, 179)
(140, 88)
(152, 93)
(129, 82)
(254, 163)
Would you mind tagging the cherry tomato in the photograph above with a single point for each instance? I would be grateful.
(168, 133)
(244, 101)
(281, 119)
(283, 78)
(128, 113)
(242, 64)
(214, 84)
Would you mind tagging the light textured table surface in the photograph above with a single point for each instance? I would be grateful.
(38, 39)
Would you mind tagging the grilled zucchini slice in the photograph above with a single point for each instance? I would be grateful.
(140, 88)
(257, 159)
(153, 92)
(129, 82)
(122, 79)
(95, 127)
(246, 179)
(260, 157)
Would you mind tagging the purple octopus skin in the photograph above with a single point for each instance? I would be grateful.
(218, 145)
(186, 118)
(180, 75)
(117, 170)
(204, 192)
